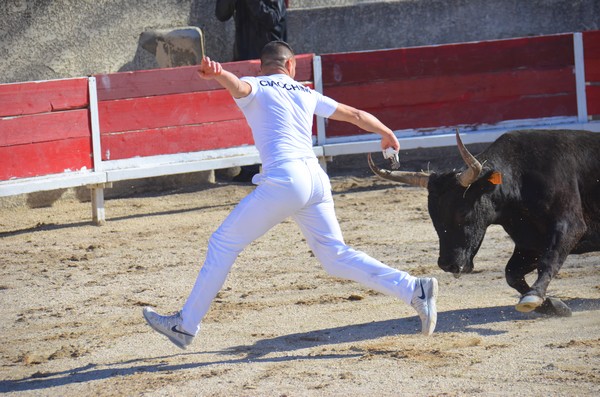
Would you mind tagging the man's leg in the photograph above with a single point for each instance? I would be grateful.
(319, 225)
(269, 204)
(266, 206)
(323, 234)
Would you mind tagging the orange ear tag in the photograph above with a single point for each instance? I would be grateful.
(495, 178)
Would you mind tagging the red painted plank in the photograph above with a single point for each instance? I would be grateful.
(304, 67)
(463, 88)
(593, 99)
(44, 127)
(591, 55)
(151, 82)
(190, 138)
(592, 70)
(167, 111)
(45, 158)
(591, 43)
(180, 80)
(459, 113)
(43, 96)
(466, 58)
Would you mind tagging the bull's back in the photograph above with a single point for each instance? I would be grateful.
(561, 157)
(533, 149)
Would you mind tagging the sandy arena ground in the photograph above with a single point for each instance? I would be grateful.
(71, 296)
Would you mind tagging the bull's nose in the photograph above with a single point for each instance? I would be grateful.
(450, 267)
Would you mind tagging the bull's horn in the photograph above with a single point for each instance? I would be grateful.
(411, 178)
(471, 174)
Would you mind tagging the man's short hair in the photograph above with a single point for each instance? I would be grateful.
(276, 53)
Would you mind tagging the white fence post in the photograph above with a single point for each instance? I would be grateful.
(582, 115)
(97, 191)
(321, 134)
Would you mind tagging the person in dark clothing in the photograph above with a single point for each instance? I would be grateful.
(257, 22)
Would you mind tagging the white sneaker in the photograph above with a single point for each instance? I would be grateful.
(169, 326)
(423, 301)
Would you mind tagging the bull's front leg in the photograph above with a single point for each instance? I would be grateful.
(522, 263)
(536, 299)
(566, 233)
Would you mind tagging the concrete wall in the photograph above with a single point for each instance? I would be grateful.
(423, 22)
(47, 39)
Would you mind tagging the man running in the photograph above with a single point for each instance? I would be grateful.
(280, 112)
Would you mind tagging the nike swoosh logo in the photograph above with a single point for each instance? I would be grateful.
(422, 291)
(174, 329)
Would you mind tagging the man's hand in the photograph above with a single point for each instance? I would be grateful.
(214, 70)
(209, 69)
(389, 140)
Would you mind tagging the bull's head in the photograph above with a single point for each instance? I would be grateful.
(458, 206)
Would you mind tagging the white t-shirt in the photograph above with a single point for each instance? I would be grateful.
(280, 113)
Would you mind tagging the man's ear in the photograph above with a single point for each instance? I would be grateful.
(290, 65)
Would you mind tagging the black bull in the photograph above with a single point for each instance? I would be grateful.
(541, 186)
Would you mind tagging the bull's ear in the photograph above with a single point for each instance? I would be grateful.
(495, 178)
(490, 179)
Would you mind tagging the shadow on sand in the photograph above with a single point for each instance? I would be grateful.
(464, 320)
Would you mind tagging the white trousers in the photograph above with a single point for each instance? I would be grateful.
(299, 189)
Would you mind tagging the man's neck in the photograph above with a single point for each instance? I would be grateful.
(272, 71)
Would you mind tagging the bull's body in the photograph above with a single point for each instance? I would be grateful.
(548, 202)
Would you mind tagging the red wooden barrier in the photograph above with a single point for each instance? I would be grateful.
(591, 55)
(43, 96)
(168, 111)
(179, 80)
(458, 84)
(45, 128)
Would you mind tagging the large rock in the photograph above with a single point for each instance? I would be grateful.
(174, 47)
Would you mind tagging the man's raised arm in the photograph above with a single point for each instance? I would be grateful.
(212, 70)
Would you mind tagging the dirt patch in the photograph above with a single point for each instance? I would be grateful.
(71, 298)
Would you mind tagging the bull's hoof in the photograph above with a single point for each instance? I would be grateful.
(554, 307)
(528, 303)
